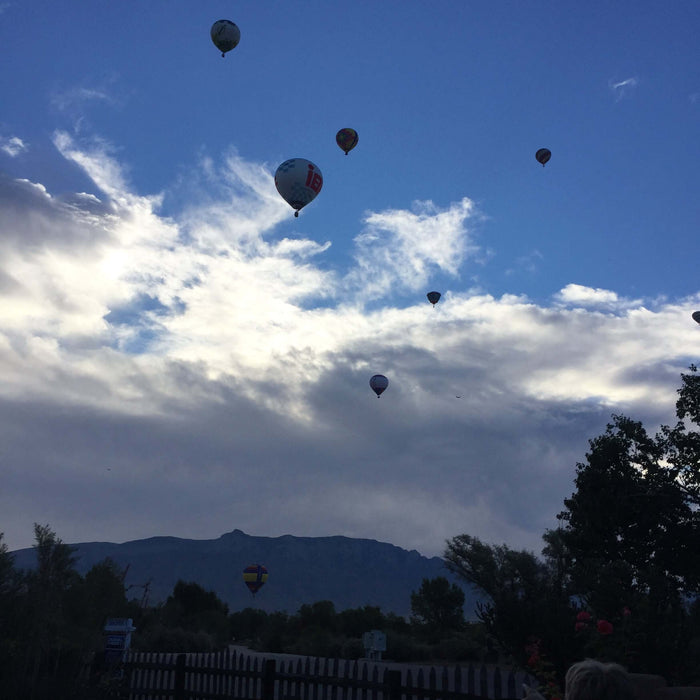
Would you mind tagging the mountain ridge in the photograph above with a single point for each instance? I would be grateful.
(350, 572)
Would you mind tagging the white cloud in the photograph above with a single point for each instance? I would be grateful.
(577, 295)
(580, 295)
(399, 248)
(12, 145)
(76, 97)
(203, 360)
(623, 88)
(98, 163)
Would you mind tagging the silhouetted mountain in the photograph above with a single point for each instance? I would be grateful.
(349, 572)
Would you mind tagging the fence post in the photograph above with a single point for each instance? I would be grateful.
(393, 682)
(179, 689)
(268, 680)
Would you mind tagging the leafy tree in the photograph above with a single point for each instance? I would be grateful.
(190, 599)
(395, 623)
(625, 556)
(318, 635)
(247, 624)
(47, 587)
(103, 594)
(526, 602)
(356, 621)
(194, 609)
(6, 567)
(10, 614)
(320, 615)
(682, 445)
(437, 609)
(631, 532)
(275, 632)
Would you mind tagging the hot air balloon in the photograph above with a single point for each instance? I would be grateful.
(696, 316)
(434, 297)
(378, 383)
(225, 35)
(347, 139)
(254, 577)
(298, 181)
(543, 155)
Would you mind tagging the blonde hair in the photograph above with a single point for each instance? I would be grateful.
(593, 680)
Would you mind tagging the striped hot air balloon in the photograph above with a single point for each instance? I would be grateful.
(254, 576)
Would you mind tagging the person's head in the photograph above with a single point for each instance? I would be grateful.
(593, 680)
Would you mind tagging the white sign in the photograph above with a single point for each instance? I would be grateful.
(374, 640)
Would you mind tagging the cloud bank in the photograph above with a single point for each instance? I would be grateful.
(191, 374)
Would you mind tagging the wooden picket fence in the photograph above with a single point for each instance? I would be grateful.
(234, 676)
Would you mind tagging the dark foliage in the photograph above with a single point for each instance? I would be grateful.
(52, 620)
(437, 609)
(620, 578)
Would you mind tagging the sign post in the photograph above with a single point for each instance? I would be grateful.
(374, 643)
(117, 638)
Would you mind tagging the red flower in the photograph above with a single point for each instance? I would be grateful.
(583, 616)
(604, 627)
(580, 625)
(626, 611)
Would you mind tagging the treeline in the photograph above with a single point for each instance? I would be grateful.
(436, 629)
(193, 619)
(52, 621)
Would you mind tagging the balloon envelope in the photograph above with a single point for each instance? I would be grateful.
(434, 297)
(696, 316)
(225, 35)
(254, 577)
(347, 139)
(543, 155)
(298, 181)
(378, 383)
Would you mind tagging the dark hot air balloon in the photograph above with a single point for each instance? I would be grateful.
(433, 297)
(225, 35)
(543, 155)
(696, 316)
(378, 383)
(347, 139)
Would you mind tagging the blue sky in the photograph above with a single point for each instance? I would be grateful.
(180, 355)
